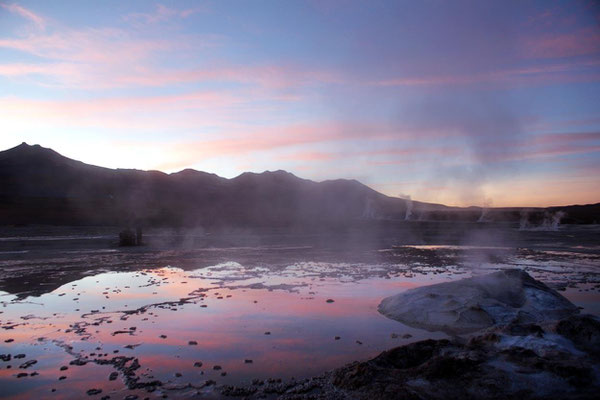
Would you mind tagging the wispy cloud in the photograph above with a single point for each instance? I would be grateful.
(19, 69)
(582, 42)
(162, 13)
(38, 20)
(148, 113)
(100, 57)
(577, 71)
(104, 58)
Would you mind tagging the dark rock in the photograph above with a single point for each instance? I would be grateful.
(28, 364)
(583, 331)
(238, 391)
(127, 238)
(516, 329)
(93, 392)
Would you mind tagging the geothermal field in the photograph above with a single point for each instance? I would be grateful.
(266, 314)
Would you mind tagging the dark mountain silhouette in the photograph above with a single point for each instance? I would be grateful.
(40, 186)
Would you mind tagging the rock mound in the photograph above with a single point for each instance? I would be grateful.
(469, 305)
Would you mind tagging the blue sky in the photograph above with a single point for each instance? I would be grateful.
(459, 102)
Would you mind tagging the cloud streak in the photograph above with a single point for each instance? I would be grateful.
(586, 71)
(161, 13)
(36, 19)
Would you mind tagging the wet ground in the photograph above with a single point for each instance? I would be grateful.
(191, 309)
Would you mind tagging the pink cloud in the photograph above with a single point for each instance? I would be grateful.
(108, 58)
(20, 69)
(582, 71)
(551, 145)
(39, 21)
(566, 138)
(162, 13)
(568, 123)
(119, 104)
(418, 151)
(106, 46)
(186, 111)
(244, 141)
(559, 150)
(582, 42)
(535, 146)
(268, 76)
(310, 156)
(538, 146)
(102, 58)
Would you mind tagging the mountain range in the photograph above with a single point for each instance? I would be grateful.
(40, 186)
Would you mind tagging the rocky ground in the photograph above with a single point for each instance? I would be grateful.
(525, 361)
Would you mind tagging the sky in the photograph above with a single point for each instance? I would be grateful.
(487, 103)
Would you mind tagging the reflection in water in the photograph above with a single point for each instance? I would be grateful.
(224, 311)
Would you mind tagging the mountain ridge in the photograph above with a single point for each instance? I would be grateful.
(39, 185)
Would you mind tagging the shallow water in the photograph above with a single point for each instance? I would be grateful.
(228, 320)
(213, 302)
